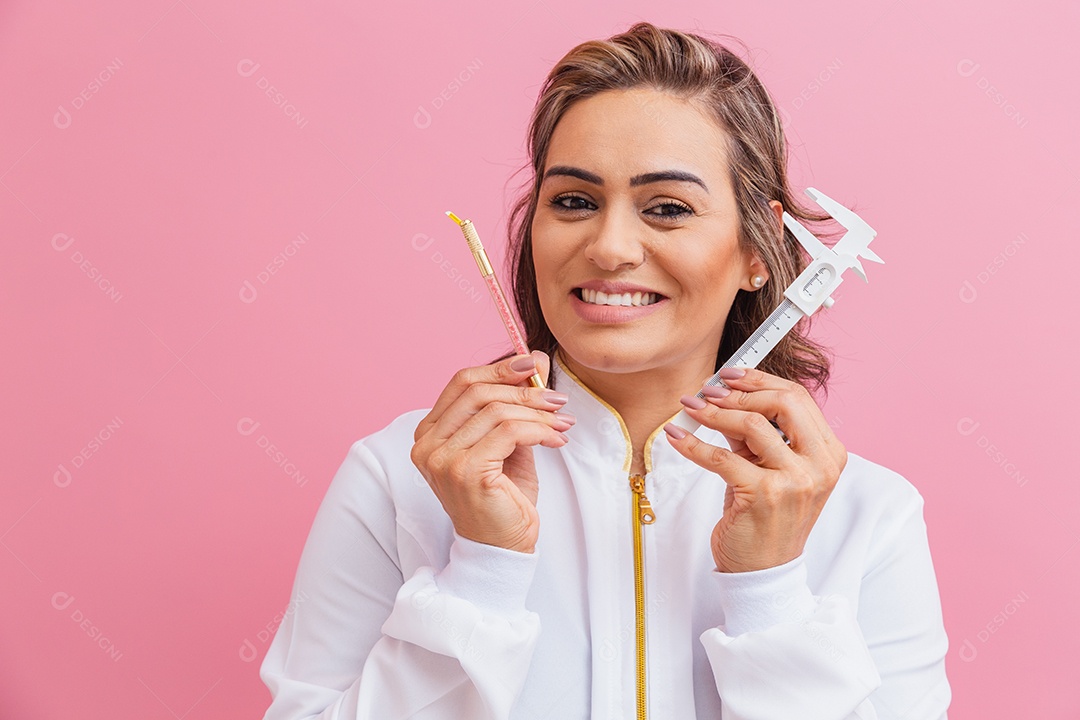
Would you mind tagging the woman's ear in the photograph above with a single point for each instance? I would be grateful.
(759, 274)
(778, 210)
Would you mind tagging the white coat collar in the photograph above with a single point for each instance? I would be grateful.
(601, 430)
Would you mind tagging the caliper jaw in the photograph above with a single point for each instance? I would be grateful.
(815, 284)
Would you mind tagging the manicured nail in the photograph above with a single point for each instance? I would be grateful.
(522, 364)
(675, 431)
(715, 391)
(555, 397)
(564, 437)
(566, 418)
(731, 373)
(692, 401)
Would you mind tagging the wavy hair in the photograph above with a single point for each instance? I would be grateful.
(694, 68)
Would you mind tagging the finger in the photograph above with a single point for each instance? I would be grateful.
(496, 373)
(733, 468)
(751, 428)
(543, 365)
(497, 445)
(477, 397)
(792, 410)
(784, 402)
(753, 379)
(489, 417)
(738, 447)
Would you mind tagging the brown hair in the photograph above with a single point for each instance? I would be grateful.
(704, 71)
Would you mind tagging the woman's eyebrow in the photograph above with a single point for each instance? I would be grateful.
(650, 177)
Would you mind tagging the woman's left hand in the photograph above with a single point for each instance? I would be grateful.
(775, 491)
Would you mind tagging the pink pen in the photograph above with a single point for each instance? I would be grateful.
(496, 290)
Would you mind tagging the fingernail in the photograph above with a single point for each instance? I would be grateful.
(715, 391)
(692, 401)
(566, 418)
(731, 373)
(675, 431)
(522, 364)
(564, 437)
(555, 397)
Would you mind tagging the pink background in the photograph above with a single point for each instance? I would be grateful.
(149, 182)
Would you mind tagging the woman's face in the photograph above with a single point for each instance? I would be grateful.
(610, 213)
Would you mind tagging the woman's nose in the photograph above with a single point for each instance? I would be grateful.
(617, 241)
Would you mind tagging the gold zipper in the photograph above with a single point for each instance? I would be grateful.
(643, 515)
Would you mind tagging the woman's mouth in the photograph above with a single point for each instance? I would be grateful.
(596, 307)
(635, 299)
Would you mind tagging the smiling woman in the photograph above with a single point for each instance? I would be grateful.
(672, 110)
(674, 576)
(654, 210)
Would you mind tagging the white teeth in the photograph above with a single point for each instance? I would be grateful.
(628, 299)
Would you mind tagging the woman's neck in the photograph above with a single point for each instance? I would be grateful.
(644, 399)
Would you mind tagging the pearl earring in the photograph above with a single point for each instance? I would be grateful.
(757, 281)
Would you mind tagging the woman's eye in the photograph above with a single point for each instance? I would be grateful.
(558, 203)
(576, 203)
(677, 210)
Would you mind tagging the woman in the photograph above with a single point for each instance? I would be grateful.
(516, 552)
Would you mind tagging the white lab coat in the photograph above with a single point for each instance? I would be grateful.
(393, 615)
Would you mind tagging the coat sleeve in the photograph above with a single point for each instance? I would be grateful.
(784, 652)
(362, 641)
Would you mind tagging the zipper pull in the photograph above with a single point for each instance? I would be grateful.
(645, 511)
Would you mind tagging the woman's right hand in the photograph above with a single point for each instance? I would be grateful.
(475, 449)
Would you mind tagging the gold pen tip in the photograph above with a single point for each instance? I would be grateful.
(454, 217)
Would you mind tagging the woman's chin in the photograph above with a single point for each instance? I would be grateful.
(607, 355)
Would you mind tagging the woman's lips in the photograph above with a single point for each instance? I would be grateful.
(608, 314)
